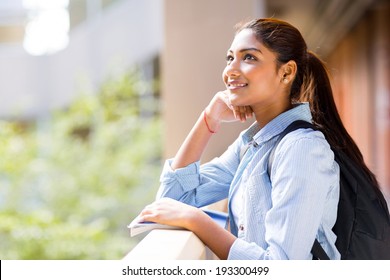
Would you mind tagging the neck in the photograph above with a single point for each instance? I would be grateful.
(265, 114)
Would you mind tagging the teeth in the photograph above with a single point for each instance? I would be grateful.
(237, 85)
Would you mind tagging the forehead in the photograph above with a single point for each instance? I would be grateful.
(245, 39)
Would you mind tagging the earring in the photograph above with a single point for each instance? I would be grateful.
(284, 79)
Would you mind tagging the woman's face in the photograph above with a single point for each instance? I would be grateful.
(251, 75)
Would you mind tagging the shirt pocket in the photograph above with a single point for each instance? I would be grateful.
(258, 194)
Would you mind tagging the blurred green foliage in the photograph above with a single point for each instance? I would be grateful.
(70, 184)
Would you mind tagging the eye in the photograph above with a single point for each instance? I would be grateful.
(249, 57)
(229, 58)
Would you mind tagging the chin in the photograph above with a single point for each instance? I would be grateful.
(236, 102)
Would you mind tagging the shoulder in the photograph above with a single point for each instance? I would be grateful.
(304, 136)
(305, 144)
(307, 154)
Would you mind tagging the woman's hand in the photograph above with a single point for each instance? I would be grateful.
(170, 212)
(221, 110)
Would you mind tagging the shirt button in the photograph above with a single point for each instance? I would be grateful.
(241, 227)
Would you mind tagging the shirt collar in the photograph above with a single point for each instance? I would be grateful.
(300, 111)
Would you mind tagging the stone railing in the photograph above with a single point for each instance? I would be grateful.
(170, 245)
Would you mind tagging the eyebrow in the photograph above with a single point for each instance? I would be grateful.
(247, 49)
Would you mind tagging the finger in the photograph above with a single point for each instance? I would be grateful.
(249, 112)
(226, 99)
(148, 210)
(235, 112)
(243, 113)
(239, 113)
(150, 215)
(148, 218)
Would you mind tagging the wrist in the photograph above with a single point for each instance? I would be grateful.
(194, 220)
(211, 123)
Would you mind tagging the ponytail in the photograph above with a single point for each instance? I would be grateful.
(316, 89)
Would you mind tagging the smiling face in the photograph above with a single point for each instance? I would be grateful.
(252, 76)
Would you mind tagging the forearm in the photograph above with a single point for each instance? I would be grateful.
(195, 143)
(219, 110)
(207, 231)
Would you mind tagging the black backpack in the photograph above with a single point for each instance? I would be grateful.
(363, 221)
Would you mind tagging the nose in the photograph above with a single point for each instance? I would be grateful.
(232, 69)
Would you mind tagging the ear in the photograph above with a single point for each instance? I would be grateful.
(288, 71)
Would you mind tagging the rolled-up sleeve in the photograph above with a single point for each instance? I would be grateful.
(243, 250)
(174, 183)
(200, 185)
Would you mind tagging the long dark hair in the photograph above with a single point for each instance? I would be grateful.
(311, 83)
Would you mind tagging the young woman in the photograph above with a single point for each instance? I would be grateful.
(272, 76)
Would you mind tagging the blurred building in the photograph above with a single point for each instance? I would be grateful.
(190, 39)
(105, 37)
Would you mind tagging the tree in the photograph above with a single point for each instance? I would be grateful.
(70, 184)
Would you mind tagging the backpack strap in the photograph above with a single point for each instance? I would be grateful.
(290, 128)
(317, 250)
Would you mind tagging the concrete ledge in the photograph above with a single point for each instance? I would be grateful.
(169, 245)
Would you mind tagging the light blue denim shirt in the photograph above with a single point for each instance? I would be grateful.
(277, 217)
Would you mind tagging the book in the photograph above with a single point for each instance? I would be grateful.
(136, 227)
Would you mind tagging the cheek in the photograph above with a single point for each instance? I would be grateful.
(224, 76)
(263, 79)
